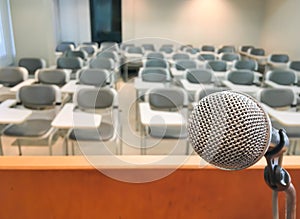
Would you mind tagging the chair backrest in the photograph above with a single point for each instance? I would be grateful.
(124, 46)
(57, 77)
(102, 63)
(201, 93)
(89, 49)
(155, 75)
(180, 56)
(279, 58)
(11, 76)
(182, 65)
(226, 50)
(282, 77)
(109, 46)
(95, 98)
(76, 53)
(148, 47)
(167, 50)
(229, 57)
(64, 46)
(167, 98)
(246, 48)
(208, 48)
(94, 77)
(294, 65)
(276, 97)
(135, 50)
(245, 64)
(191, 50)
(32, 64)
(38, 96)
(206, 56)
(199, 76)
(108, 55)
(217, 65)
(242, 77)
(257, 51)
(155, 63)
(155, 55)
(74, 63)
(95, 44)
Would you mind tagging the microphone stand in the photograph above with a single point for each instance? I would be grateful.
(278, 179)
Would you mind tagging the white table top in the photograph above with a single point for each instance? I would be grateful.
(287, 118)
(177, 73)
(24, 83)
(249, 89)
(193, 87)
(152, 117)
(72, 86)
(11, 115)
(296, 89)
(67, 118)
(141, 85)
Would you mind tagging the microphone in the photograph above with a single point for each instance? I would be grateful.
(231, 130)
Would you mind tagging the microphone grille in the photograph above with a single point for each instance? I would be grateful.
(229, 130)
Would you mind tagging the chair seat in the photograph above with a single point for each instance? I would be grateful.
(103, 133)
(30, 128)
(168, 132)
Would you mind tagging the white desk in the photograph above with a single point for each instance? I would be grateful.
(295, 89)
(287, 118)
(68, 118)
(178, 74)
(248, 89)
(193, 87)
(24, 83)
(72, 86)
(12, 116)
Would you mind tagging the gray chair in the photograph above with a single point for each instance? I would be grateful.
(180, 56)
(170, 100)
(64, 46)
(229, 57)
(217, 65)
(89, 49)
(124, 46)
(199, 76)
(102, 63)
(241, 77)
(295, 66)
(281, 99)
(38, 98)
(208, 48)
(207, 56)
(109, 46)
(257, 52)
(155, 63)
(244, 49)
(166, 50)
(245, 65)
(57, 77)
(76, 53)
(226, 49)
(94, 77)
(133, 59)
(148, 47)
(109, 55)
(281, 77)
(191, 50)
(74, 64)
(32, 64)
(105, 102)
(153, 74)
(155, 55)
(10, 77)
(182, 65)
(278, 61)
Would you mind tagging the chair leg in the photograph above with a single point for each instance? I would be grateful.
(66, 145)
(1, 149)
(50, 144)
(294, 147)
(19, 147)
(187, 148)
(73, 150)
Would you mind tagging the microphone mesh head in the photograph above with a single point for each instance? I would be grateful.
(229, 130)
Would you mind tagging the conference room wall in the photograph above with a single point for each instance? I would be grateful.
(281, 28)
(34, 28)
(195, 21)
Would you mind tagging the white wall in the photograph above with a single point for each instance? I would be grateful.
(34, 28)
(281, 30)
(195, 22)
